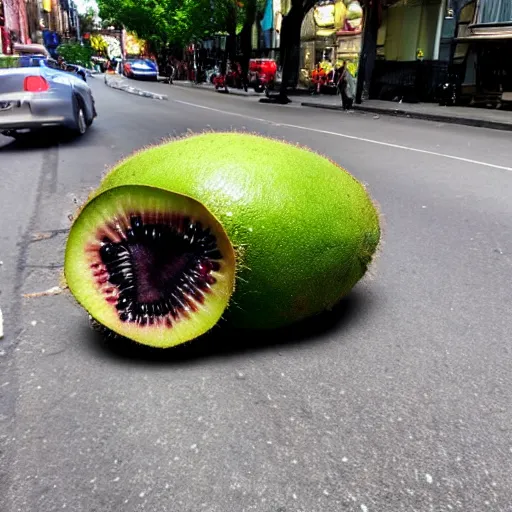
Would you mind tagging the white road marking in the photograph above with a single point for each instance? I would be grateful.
(352, 137)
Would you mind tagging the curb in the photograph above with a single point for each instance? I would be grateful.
(204, 87)
(117, 83)
(396, 112)
(233, 91)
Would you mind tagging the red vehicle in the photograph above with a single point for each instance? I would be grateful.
(262, 74)
(233, 78)
(219, 81)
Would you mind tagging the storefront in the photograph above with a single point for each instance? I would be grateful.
(409, 65)
(267, 30)
(481, 57)
(331, 35)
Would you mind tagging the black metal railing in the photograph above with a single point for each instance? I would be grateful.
(409, 81)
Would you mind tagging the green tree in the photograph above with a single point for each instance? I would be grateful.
(161, 22)
(237, 17)
(149, 19)
(290, 44)
(75, 53)
(87, 20)
(179, 22)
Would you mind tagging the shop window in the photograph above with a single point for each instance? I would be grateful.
(411, 27)
(494, 11)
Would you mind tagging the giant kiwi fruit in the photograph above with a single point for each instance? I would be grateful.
(219, 225)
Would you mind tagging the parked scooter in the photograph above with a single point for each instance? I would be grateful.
(211, 73)
(219, 81)
(233, 78)
(262, 74)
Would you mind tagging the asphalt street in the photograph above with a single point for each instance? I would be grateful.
(398, 400)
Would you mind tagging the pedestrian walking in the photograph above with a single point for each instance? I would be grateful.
(170, 69)
(346, 87)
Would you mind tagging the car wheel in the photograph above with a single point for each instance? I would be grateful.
(80, 118)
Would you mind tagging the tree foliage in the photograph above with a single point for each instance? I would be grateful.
(88, 20)
(179, 22)
(75, 53)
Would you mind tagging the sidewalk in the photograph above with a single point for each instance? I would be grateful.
(160, 89)
(211, 88)
(469, 116)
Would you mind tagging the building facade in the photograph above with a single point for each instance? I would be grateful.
(482, 45)
(14, 28)
(331, 35)
(412, 51)
(36, 21)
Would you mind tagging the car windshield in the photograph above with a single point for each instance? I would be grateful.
(24, 61)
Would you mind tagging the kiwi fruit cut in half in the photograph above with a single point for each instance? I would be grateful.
(256, 231)
(151, 265)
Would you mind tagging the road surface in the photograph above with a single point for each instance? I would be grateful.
(399, 400)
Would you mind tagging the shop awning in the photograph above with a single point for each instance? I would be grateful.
(485, 33)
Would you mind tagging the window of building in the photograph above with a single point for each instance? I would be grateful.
(494, 11)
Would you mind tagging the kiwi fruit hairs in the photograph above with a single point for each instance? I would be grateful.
(253, 230)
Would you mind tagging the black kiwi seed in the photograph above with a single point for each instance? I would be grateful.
(126, 316)
(160, 269)
(123, 303)
(214, 254)
(136, 223)
(108, 252)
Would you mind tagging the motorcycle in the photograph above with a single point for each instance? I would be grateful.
(219, 81)
(233, 78)
(211, 73)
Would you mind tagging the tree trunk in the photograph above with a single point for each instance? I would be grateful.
(290, 47)
(369, 53)
(230, 52)
(246, 37)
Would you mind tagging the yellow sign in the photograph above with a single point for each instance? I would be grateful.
(324, 15)
(134, 45)
(329, 15)
(47, 5)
